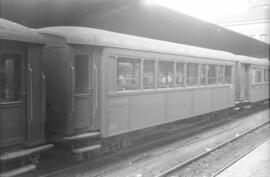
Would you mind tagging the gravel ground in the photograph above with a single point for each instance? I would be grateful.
(158, 159)
(209, 165)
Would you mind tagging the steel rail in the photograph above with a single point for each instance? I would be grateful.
(158, 141)
(239, 158)
(130, 163)
(201, 155)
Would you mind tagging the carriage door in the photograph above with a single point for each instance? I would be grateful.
(244, 81)
(12, 100)
(82, 91)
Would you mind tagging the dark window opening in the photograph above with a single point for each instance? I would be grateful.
(10, 77)
(82, 74)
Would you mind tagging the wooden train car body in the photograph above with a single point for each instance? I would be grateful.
(252, 79)
(22, 93)
(111, 83)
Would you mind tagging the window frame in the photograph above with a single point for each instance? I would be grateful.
(222, 74)
(89, 74)
(231, 75)
(171, 65)
(154, 73)
(22, 85)
(197, 76)
(167, 83)
(183, 72)
(214, 78)
(205, 76)
(129, 58)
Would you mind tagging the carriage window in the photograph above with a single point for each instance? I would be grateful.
(128, 73)
(148, 74)
(180, 76)
(220, 74)
(228, 75)
(165, 74)
(258, 77)
(192, 74)
(10, 77)
(212, 74)
(82, 77)
(253, 75)
(203, 70)
(265, 75)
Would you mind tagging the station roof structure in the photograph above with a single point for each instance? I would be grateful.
(133, 17)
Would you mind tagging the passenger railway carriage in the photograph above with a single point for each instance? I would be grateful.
(106, 83)
(252, 79)
(22, 98)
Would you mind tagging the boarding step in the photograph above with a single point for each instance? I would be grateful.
(248, 107)
(242, 103)
(266, 102)
(23, 153)
(81, 136)
(18, 171)
(236, 108)
(86, 149)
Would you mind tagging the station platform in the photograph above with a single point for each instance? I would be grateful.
(254, 164)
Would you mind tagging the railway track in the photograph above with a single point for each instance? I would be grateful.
(180, 166)
(200, 126)
(238, 159)
(154, 154)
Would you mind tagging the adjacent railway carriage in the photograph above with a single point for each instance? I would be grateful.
(22, 98)
(101, 82)
(252, 79)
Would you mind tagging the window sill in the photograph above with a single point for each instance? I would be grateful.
(164, 90)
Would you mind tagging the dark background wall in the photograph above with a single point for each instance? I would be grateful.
(133, 17)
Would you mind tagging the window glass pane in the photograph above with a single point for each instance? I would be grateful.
(265, 75)
(203, 75)
(82, 74)
(165, 74)
(128, 73)
(220, 74)
(212, 74)
(254, 75)
(264, 37)
(192, 74)
(10, 77)
(258, 75)
(180, 74)
(228, 75)
(148, 74)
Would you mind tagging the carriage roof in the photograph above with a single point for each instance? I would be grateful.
(12, 31)
(251, 60)
(97, 37)
(91, 36)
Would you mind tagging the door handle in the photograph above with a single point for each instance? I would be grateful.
(43, 95)
(30, 72)
(73, 88)
(96, 89)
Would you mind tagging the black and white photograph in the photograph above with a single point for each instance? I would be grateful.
(134, 88)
